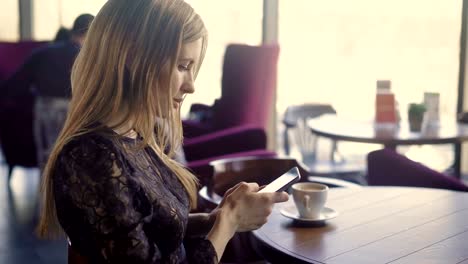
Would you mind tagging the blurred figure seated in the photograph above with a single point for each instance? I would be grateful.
(63, 34)
(47, 71)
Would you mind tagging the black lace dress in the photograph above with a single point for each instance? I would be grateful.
(120, 205)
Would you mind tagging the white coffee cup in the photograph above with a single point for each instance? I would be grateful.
(309, 198)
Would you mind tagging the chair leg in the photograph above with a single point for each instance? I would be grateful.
(286, 142)
(336, 156)
(10, 173)
(315, 148)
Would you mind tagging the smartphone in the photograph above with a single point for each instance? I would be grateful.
(283, 182)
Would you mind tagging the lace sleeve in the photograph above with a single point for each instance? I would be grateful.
(111, 208)
(200, 251)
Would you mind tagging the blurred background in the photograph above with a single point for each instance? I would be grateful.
(331, 52)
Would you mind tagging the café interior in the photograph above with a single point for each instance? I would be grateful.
(367, 98)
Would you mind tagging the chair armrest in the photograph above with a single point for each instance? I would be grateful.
(199, 108)
(200, 120)
(193, 128)
(204, 170)
(226, 141)
(387, 167)
(202, 113)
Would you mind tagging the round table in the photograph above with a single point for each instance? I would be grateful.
(333, 127)
(374, 225)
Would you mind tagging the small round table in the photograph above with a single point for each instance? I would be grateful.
(333, 127)
(374, 225)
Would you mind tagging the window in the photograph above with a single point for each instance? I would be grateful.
(9, 21)
(227, 22)
(50, 15)
(334, 51)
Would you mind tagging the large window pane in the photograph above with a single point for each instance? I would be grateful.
(334, 51)
(49, 15)
(227, 22)
(9, 20)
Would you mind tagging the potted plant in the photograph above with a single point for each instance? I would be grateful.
(415, 116)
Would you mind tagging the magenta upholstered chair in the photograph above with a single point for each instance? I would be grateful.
(248, 83)
(13, 54)
(238, 121)
(249, 80)
(16, 126)
(387, 167)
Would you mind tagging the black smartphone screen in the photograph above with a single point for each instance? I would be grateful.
(283, 182)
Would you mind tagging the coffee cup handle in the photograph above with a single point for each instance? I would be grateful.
(307, 201)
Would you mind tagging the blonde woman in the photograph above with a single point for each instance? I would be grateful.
(111, 183)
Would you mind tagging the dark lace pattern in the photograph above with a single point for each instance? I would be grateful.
(121, 205)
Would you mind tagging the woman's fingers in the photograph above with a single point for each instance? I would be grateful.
(251, 209)
(249, 186)
(280, 197)
(230, 190)
(242, 188)
(245, 186)
(275, 197)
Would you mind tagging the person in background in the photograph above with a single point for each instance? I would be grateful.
(111, 183)
(63, 34)
(46, 73)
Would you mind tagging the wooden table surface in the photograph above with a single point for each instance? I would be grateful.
(376, 225)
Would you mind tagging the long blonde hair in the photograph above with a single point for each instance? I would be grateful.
(127, 62)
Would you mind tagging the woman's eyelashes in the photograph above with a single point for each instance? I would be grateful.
(185, 66)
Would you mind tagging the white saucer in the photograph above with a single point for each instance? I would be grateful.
(289, 210)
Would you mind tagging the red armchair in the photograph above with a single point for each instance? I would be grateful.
(248, 83)
(237, 122)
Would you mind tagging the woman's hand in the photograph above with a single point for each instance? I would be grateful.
(246, 209)
(242, 209)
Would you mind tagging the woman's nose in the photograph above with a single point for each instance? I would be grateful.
(189, 86)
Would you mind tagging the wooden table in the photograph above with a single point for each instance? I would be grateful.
(333, 127)
(375, 225)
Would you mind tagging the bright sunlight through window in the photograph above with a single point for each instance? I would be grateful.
(334, 51)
